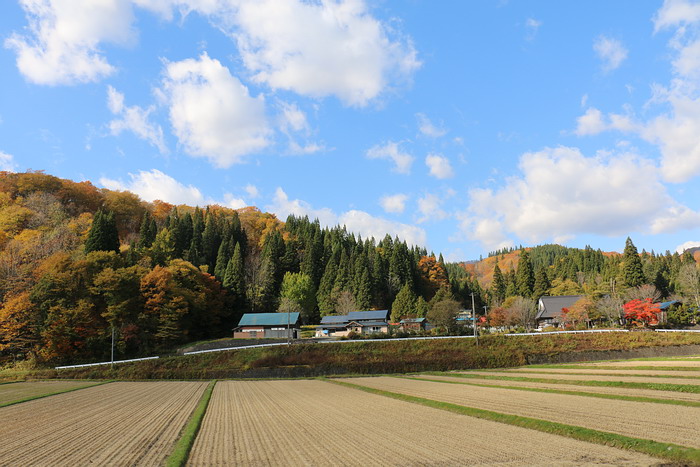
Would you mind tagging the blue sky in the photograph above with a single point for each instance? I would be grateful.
(460, 126)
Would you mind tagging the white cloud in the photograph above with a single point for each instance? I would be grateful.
(356, 221)
(212, 113)
(320, 49)
(562, 193)
(61, 45)
(7, 162)
(252, 191)
(292, 118)
(590, 123)
(427, 128)
(687, 245)
(676, 12)
(390, 151)
(234, 203)
(154, 184)
(394, 203)
(610, 51)
(429, 207)
(134, 119)
(439, 166)
(532, 26)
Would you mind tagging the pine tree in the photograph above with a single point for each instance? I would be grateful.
(633, 272)
(234, 276)
(103, 235)
(542, 284)
(525, 278)
(147, 232)
(404, 305)
(498, 286)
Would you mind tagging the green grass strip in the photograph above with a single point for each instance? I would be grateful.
(603, 374)
(41, 396)
(654, 400)
(613, 368)
(181, 451)
(673, 452)
(688, 388)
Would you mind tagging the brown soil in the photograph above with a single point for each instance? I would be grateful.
(256, 423)
(112, 424)
(610, 372)
(579, 377)
(665, 423)
(680, 396)
(19, 391)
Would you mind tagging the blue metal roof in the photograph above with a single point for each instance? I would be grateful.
(664, 305)
(373, 315)
(268, 319)
(412, 320)
(330, 319)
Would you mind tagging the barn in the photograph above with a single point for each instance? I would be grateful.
(272, 325)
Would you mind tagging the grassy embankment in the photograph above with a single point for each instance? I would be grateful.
(359, 357)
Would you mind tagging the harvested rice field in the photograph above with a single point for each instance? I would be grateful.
(664, 423)
(651, 393)
(320, 423)
(13, 392)
(110, 424)
(459, 418)
(562, 375)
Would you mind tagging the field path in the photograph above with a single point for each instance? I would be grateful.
(665, 423)
(256, 423)
(672, 395)
(18, 391)
(111, 424)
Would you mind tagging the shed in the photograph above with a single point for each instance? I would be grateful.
(274, 325)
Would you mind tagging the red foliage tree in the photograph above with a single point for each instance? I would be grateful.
(642, 312)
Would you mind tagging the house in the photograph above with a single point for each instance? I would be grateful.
(665, 307)
(274, 325)
(414, 324)
(359, 322)
(549, 309)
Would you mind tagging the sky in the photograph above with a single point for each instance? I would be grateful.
(463, 127)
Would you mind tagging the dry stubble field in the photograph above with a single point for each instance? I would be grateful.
(313, 422)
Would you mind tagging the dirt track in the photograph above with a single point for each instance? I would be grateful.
(579, 377)
(681, 396)
(18, 391)
(665, 423)
(318, 423)
(112, 424)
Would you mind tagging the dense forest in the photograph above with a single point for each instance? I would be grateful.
(79, 263)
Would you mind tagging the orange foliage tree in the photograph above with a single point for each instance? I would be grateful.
(642, 312)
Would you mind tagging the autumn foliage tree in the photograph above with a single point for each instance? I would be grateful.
(642, 312)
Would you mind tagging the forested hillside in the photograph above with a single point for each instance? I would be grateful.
(77, 262)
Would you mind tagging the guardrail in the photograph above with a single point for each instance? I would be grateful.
(584, 331)
(678, 330)
(105, 363)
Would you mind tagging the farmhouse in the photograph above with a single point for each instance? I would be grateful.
(549, 309)
(359, 322)
(257, 325)
(414, 324)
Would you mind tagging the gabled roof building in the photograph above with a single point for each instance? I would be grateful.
(275, 325)
(359, 322)
(549, 309)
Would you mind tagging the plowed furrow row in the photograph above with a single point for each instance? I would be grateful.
(630, 379)
(317, 423)
(664, 423)
(113, 424)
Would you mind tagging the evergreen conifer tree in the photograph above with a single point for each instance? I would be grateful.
(498, 286)
(633, 272)
(103, 235)
(542, 284)
(525, 278)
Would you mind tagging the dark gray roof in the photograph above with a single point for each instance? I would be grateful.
(551, 306)
(373, 315)
(412, 320)
(268, 319)
(370, 323)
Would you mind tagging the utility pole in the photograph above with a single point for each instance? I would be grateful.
(112, 345)
(476, 336)
(289, 340)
